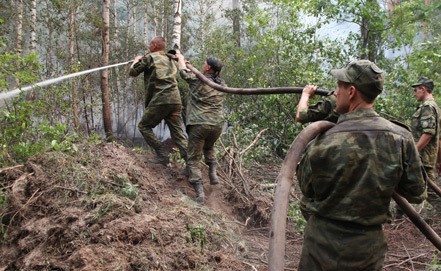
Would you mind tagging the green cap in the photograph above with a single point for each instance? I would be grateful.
(424, 81)
(364, 74)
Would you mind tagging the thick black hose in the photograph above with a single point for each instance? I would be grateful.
(253, 91)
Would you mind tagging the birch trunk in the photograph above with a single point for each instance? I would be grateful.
(155, 21)
(107, 120)
(176, 38)
(32, 37)
(19, 27)
(146, 26)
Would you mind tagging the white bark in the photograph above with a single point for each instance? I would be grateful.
(155, 20)
(19, 27)
(32, 43)
(146, 25)
(176, 38)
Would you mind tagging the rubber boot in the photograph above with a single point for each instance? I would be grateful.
(200, 197)
(212, 173)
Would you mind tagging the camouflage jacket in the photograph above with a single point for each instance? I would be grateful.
(324, 109)
(350, 172)
(160, 78)
(426, 121)
(205, 104)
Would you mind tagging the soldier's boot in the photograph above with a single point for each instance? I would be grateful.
(186, 171)
(162, 157)
(212, 166)
(200, 197)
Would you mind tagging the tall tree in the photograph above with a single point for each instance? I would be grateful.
(236, 22)
(19, 27)
(74, 92)
(176, 38)
(107, 120)
(32, 38)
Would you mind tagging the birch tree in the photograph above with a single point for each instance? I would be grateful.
(19, 27)
(176, 38)
(32, 38)
(107, 120)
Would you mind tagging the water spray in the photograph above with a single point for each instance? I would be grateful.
(17, 91)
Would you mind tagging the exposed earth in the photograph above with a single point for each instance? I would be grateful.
(106, 207)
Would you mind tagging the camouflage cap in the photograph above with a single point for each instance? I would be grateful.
(215, 63)
(364, 74)
(424, 81)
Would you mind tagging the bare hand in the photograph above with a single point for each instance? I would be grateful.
(309, 90)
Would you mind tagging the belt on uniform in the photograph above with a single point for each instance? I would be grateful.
(350, 224)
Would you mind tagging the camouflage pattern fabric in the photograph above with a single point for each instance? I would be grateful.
(324, 109)
(201, 140)
(160, 78)
(205, 104)
(171, 114)
(357, 249)
(426, 121)
(349, 173)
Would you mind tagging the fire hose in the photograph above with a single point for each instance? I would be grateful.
(252, 91)
(285, 178)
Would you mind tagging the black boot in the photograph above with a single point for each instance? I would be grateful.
(212, 173)
(200, 197)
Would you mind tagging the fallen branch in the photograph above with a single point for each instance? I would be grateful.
(403, 262)
(259, 135)
(10, 168)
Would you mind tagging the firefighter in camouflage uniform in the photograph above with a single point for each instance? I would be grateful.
(163, 101)
(204, 121)
(426, 130)
(349, 173)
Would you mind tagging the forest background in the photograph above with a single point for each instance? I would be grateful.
(262, 44)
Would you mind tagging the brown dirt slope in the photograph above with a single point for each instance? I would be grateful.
(105, 207)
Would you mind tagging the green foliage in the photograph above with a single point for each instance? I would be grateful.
(295, 215)
(196, 235)
(435, 265)
(130, 190)
(25, 133)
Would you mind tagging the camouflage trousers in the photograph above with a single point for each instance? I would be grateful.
(432, 196)
(330, 245)
(171, 114)
(201, 139)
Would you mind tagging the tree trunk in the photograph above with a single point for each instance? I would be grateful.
(236, 22)
(119, 106)
(146, 26)
(176, 39)
(155, 21)
(32, 38)
(107, 120)
(73, 87)
(19, 27)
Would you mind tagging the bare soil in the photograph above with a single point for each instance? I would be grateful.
(106, 207)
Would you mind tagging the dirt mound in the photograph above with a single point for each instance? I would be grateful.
(104, 207)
